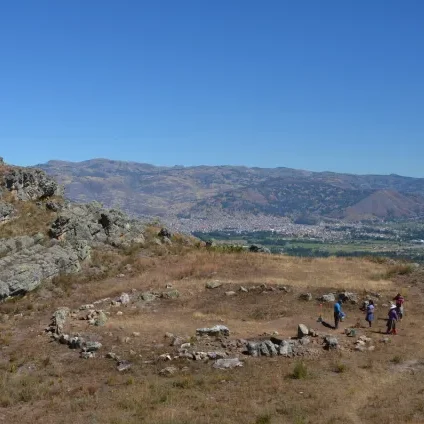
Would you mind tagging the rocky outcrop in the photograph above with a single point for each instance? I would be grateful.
(96, 225)
(27, 261)
(6, 211)
(31, 184)
(26, 269)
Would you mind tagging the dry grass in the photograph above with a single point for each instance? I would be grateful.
(46, 382)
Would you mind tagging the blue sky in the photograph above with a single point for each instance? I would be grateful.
(321, 85)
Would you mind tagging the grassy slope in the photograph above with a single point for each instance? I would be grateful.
(45, 382)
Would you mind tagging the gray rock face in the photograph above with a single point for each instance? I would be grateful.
(31, 184)
(27, 268)
(6, 211)
(96, 225)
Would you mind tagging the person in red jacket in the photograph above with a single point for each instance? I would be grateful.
(399, 299)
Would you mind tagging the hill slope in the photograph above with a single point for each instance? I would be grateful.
(207, 191)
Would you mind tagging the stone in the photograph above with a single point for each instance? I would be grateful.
(165, 357)
(230, 293)
(76, 342)
(148, 297)
(243, 289)
(216, 355)
(124, 298)
(328, 297)
(59, 319)
(87, 354)
(306, 296)
(286, 349)
(313, 333)
(282, 288)
(348, 297)
(7, 211)
(123, 365)
(253, 349)
(331, 342)
(227, 363)
(91, 346)
(185, 346)
(217, 330)
(53, 206)
(172, 294)
(177, 341)
(168, 371)
(119, 313)
(302, 331)
(304, 341)
(85, 307)
(271, 348)
(112, 355)
(213, 284)
(136, 334)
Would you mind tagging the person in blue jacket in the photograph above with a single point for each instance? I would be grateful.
(337, 313)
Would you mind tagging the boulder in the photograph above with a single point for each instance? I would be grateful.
(123, 366)
(168, 371)
(25, 270)
(101, 319)
(171, 294)
(31, 184)
(59, 319)
(230, 293)
(147, 296)
(286, 349)
(302, 331)
(213, 284)
(306, 296)
(217, 330)
(91, 346)
(124, 298)
(6, 211)
(348, 297)
(331, 342)
(227, 363)
(327, 298)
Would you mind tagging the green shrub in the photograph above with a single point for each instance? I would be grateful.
(300, 371)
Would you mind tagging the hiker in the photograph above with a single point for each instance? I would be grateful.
(399, 299)
(337, 313)
(391, 322)
(370, 313)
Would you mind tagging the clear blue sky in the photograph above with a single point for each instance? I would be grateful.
(321, 85)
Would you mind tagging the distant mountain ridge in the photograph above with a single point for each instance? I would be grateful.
(209, 191)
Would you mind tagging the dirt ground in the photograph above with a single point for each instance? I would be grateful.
(44, 381)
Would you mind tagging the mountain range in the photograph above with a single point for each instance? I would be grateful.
(207, 192)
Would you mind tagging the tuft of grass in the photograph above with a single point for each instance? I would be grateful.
(263, 419)
(340, 367)
(399, 269)
(300, 371)
(397, 359)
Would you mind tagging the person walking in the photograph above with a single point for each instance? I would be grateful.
(400, 300)
(337, 314)
(391, 322)
(370, 313)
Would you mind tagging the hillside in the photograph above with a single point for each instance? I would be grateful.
(208, 191)
(106, 319)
